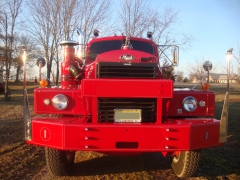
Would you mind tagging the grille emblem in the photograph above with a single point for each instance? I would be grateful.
(127, 57)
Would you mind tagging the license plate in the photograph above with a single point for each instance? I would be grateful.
(127, 115)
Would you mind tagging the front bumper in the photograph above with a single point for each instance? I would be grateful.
(73, 134)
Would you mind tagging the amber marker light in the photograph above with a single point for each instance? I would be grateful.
(205, 86)
(47, 102)
(43, 83)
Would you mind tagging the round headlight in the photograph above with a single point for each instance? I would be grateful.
(190, 104)
(60, 102)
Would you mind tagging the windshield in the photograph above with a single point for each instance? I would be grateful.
(104, 46)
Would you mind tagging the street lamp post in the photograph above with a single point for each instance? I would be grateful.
(229, 58)
(224, 116)
(24, 49)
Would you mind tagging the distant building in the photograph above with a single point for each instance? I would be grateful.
(218, 78)
(222, 78)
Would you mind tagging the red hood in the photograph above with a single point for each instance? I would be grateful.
(115, 56)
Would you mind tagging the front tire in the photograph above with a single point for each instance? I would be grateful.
(59, 162)
(186, 163)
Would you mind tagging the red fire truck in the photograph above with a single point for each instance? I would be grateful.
(113, 99)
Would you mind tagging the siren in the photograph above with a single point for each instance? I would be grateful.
(149, 35)
(95, 33)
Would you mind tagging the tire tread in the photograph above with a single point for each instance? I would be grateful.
(189, 165)
(55, 162)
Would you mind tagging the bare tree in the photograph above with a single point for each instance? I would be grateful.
(186, 80)
(94, 14)
(167, 72)
(9, 15)
(191, 77)
(179, 77)
(231, 68)
(138, 17)
(196, 69)
(49, 23)
(33, 52)
(134, 19)
(236, 71)
(57, 20)
(237, 54)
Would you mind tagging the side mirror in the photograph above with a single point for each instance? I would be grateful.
(175, 57)
(41, 62)
(207, 65)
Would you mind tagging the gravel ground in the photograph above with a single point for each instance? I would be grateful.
(21, 161)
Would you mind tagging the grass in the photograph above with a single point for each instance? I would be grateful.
(21, 161)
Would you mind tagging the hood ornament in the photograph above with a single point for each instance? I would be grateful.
(127, 44)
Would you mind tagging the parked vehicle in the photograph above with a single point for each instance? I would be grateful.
(113, 99)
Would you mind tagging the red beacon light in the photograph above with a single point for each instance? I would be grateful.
(205, 86)
(43, 83)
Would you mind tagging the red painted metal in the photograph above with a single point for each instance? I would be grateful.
(173, 131)
(73, 134)
(67, 60)
(115, 56)
(77, 103)
(127, 88)
(67, 81)
(122, 38)
(175, 103)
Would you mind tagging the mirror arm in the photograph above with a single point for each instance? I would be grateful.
(166, 67)
(200, 82)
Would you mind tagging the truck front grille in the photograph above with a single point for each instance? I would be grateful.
(106, 108)
(126, 70)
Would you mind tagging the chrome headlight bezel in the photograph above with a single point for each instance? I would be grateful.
(60, 102)
(189, 104)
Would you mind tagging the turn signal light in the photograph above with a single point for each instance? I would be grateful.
(43, 83)
(206, 86)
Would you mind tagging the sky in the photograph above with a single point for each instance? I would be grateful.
(214, 25)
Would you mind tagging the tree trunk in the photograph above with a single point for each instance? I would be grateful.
(6, 91)
(49, 66)
(17, 74)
